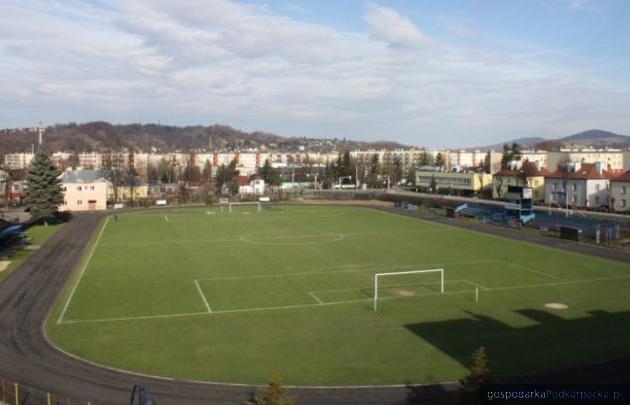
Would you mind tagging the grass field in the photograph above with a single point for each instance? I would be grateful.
(205, 295)
(39, 234)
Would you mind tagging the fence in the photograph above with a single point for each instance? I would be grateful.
(13, 393)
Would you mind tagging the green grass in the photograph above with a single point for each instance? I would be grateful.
(39, 234)
(290, 290)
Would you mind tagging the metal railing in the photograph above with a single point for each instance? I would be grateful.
(14, 393)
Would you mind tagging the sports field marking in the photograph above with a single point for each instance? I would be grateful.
(135, 318)
(256, 309)
(518, 266)
(172, 242)
(360, 268)
(87, 261)
(165, 218)
(312, 294)
(203, 297)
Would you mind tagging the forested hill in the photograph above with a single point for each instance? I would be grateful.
(94, 136)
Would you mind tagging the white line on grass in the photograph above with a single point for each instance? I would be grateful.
(559, 283)
(360, 269)
(135, 318)
(87, 261)
(518, 266)
(165, 218)
(312, 294)
(203, 297)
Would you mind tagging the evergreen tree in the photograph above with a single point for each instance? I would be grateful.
(270, 175)
(479, 374)
(439, 160)
(411, 177)
(274, 394)
(397, 169)
(347, 168)
(43, 193)
(207, 172)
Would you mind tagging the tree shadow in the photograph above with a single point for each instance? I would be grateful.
(551, 343)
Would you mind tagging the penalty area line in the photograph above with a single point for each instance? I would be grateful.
(203, 297)
(87, 261)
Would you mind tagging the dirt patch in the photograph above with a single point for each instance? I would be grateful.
(556, 305)
(403, 292)
(4, 264)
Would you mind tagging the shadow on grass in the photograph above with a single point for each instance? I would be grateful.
(551, 343)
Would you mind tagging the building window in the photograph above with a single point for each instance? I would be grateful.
(574, 199)
(78, 188)
(623, 190)
(596, 187)
(623, 204)
(92, 188)
(597, 199)
(79, 202)
(573, 186)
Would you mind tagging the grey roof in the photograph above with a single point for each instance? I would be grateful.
(82, 176)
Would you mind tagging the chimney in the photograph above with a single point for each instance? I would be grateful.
(40, 133)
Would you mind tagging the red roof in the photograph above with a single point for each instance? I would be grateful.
(624, 177)
(587, 171)
(528, 169)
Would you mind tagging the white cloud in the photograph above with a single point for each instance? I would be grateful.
(389, 25)
(204, 61)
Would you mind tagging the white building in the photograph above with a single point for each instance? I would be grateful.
(581, 185)
(84, 190)
(620, 193)
(256, 187)
(612, 159)
(18, 161)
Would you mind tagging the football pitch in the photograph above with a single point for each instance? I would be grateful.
(203, 294)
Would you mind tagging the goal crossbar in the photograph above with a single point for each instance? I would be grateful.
(398, 273)
(257, 203)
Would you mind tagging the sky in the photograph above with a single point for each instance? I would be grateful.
(425, 73)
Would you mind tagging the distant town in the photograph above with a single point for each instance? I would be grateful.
(581, 176)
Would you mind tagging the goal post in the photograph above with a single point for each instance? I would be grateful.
(257, 203)
(400, 273)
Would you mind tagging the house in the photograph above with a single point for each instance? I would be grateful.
(84, 190)
(530, 175)
(255, 186)
(582, 185)
(461, 183)
(620, 193)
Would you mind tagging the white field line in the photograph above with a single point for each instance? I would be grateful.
(475, 284)
(312, 294)
(165, 218)
(173, 242)
(559, 283)
(87, 261)
(203, 297)
(135, 318)
(361, 268)
(542, 273)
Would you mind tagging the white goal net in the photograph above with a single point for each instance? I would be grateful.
(406, 277)
(253, 203)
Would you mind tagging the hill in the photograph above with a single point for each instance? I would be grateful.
(592, 137)
(95, 136)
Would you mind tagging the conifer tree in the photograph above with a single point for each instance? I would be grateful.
(43, 192)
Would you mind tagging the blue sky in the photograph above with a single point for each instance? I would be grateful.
(427, 73)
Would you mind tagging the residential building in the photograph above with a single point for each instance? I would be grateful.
(611, 159)
(620, 193)
(18, 161)
(528, 175)
(538, 157)
(84, 190)
(580, 185)
(460, 183)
